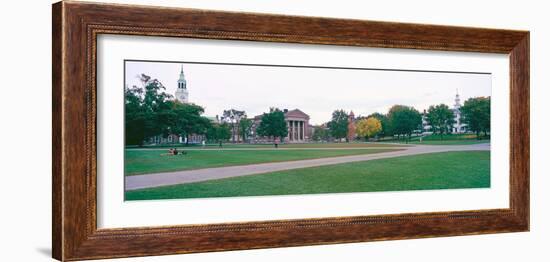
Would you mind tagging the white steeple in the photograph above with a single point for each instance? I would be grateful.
(182, 94)
(457, 101)
(458, 126)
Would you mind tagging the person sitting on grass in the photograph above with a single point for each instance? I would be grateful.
(170, 152)
(175, 151)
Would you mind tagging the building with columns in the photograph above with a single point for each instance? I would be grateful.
(298, 126)
(297, 122)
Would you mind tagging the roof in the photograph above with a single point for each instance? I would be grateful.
(296, 113)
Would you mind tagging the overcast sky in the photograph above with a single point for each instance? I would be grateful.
(315, 91)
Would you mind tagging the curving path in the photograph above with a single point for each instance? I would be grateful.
(199, 175)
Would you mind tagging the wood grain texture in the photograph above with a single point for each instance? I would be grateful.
(76, 26)
(57, 191)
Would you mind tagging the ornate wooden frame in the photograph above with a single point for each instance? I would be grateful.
(76, 26)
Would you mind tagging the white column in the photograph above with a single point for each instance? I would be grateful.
(303, 130)
(292, 133)
(294, 124)
(300, 130)
(297, 130)
(288, 128)
(291, 130)
(300, 127)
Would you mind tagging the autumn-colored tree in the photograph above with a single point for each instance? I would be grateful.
(386, 128)
(368, 127)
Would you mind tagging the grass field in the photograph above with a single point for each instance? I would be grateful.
(449, 142)
(421, 172)
(150, 161)
(446, 139)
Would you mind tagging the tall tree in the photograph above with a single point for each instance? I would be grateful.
(223, 132)
(476, 113)
(368, 127)
(245, 126)
(143, 109)
(233, 117)
(273, 124)
(134, 119)
(440, 118)
(404, 120)
(338, 126)
(186, 119)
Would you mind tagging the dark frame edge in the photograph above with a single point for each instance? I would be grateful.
(57, 75)
(520, 130)
(75, 236)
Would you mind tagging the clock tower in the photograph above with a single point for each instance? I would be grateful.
(182, 95)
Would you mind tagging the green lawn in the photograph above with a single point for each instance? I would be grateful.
(449, 142)
(446, 139)
(430, 171)
(150, 161)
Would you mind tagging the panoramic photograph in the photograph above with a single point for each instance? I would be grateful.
(203, 130)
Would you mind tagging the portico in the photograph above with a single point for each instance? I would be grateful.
(296, 130)
(297, 123)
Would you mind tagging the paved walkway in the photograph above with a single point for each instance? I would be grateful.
(198, 175)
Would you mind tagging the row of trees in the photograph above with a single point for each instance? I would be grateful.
(475, 113)
(402, 121)
(149, 112)
(338, 127)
